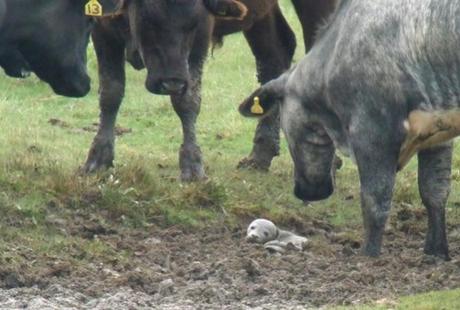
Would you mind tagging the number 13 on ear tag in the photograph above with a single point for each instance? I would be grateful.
(93, 8)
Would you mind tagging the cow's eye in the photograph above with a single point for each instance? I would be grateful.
(266, 234)
(252, 227)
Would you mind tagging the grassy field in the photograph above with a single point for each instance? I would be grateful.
(430, 301)
(45, 139)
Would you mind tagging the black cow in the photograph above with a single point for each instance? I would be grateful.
(382, 82)
(2, 11)
(50, 38)
(273, 44)
(172, 38)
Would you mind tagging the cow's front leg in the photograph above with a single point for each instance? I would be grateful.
(434, 173)
(377, 172)
(273, 44)
(187, 108)
(110, 54)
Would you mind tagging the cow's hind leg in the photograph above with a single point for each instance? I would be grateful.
(110, 55)
(311, 14)
(273, 44)
(434, 174)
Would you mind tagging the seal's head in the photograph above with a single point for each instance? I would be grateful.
(261, 231)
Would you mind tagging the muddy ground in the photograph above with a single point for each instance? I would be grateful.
(216, 269)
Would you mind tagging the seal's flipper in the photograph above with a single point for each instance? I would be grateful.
(275, 246)
(288, 238)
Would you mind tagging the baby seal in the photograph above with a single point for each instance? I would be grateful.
(265, 232)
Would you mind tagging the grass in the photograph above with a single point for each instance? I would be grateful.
(39, 161)
(443, 300)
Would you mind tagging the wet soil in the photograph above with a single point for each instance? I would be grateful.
(217, 269)
(119, 131)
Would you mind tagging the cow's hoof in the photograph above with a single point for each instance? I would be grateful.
(254, 163)
(441, 253)
(191, 163)
(193, 175)
(100, 157)
(94, 166)
(370, 251)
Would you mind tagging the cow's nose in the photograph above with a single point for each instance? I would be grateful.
(173, 86)
(75, 87)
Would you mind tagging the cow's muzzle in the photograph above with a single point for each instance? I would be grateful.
(171, 86)
(307, 191)
(73, 87)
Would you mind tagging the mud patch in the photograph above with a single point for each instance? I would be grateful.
(119, 131)
(217, 269)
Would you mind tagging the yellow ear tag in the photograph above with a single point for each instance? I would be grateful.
(93, 8)
(256, 107)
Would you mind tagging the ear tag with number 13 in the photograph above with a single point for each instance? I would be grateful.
(93, 8)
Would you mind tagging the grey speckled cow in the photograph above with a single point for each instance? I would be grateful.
(378, 71)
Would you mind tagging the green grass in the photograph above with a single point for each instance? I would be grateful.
(38, 163)
(432, 301)
(442, 300)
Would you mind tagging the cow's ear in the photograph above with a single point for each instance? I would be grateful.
(263, 100)
(104, 8)
(227, 9)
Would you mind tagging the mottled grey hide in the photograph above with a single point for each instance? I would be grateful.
(372, 64)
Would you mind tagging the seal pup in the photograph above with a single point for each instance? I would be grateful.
(274, 239)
